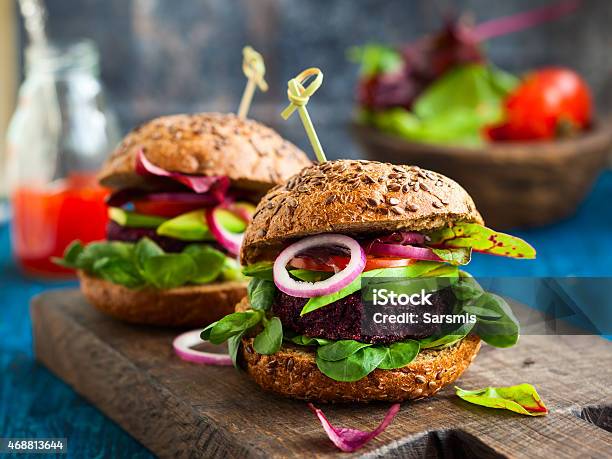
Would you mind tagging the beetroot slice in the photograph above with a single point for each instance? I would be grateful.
(198, 183)
(349, 440)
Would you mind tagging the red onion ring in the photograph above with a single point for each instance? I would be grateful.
(230, 241)
(338, 281)
(402, 251)
(198, 183)
(183, 344)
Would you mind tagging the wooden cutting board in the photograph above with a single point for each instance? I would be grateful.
(178, 409)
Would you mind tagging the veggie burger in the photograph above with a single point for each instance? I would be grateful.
(309, 327)
(184, 190)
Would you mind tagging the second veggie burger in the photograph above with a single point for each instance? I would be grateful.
(185, 189)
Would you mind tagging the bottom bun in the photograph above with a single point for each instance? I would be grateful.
(293, 372)
(190, 306)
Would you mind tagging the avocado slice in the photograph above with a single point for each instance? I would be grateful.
(192, 225)
(133, 219)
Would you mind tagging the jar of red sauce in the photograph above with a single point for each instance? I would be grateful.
(58, 137)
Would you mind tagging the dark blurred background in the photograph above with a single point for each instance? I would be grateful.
(161, 56)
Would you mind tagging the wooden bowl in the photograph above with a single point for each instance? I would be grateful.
(512, 184)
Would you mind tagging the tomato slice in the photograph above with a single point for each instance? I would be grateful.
(340, 262)
(168, 209)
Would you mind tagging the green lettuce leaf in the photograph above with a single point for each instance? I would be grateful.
(475, 87)
(452, 110)
(482, 239)
(522, 399)
(376, 59)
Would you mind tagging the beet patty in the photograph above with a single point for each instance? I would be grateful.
(345, 319)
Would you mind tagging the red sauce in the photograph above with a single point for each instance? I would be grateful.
(46, 219)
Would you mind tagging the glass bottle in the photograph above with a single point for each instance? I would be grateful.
(57, 139)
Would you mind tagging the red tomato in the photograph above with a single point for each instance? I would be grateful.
(165, 208)
(548, 103)
(341, 262)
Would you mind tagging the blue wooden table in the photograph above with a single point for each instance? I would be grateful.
(34, 403)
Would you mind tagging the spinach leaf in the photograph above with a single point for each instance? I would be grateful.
(118, 271)
(482, 239)
(399, 354)
(522, 399)
(71, 255)
(262, 270)
(482, 313)
(231, 325)
(233, 346)
(354, 367)
(448, 338)
(502, 331)
(467, 289)
(145, 249)
(339, 350)
(270, 339)
(261, 293)
(209, 262)
(98, 250)
(145, 263)
(169, 270)
(304, 340)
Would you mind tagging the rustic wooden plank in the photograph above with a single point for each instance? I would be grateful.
(183, 410)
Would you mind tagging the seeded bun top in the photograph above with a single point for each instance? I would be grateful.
(354, 197)
(252, 155)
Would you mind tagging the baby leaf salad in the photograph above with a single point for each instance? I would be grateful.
(442, 89)
(313, 296)
(190, 232)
